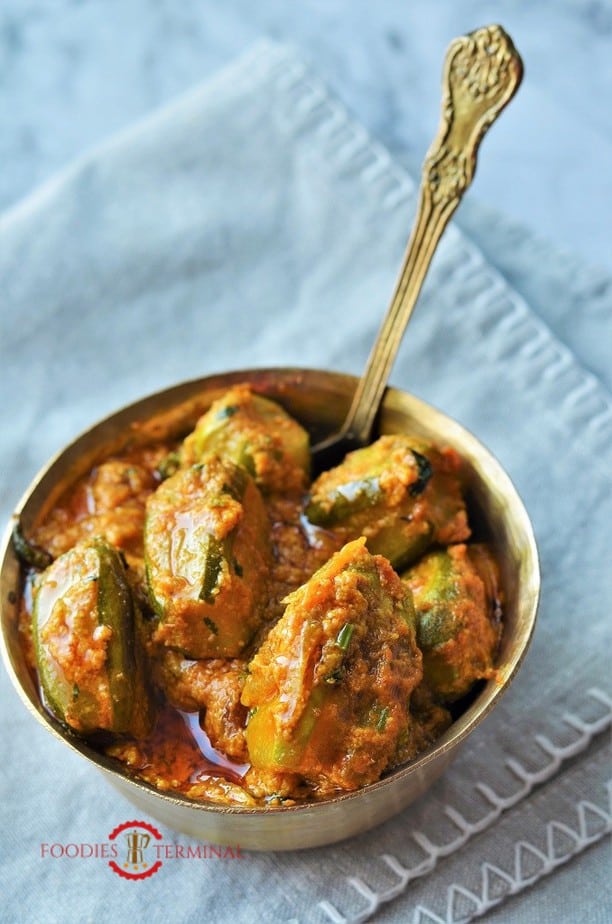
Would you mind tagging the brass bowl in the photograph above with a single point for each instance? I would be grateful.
(320, 401)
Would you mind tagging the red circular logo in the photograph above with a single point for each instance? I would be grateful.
(134, 850)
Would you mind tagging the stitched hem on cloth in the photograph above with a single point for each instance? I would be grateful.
(585, 402)
(347, 145)
(579, 837)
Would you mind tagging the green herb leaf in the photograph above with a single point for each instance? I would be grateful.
(424, 473)
(29, 553)
(169, 465)
(213, 567)
(345, 635)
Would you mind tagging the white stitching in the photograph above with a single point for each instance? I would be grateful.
(585, 399)
(519, 879)
(423, 915)
(334, 916)
(487, 869)
(558, 753)
(309, 94)
(454, 892)
(555, 364)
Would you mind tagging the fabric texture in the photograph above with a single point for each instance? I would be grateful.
(254, 223)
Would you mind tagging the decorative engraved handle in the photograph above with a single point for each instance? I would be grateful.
(482, 72)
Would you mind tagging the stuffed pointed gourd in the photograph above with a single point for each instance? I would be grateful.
(255, 433)
(329, 689)
(401, 495)
(457, 601)
(207, 557)
(87, 643)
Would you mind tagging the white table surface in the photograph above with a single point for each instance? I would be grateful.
(74, 72)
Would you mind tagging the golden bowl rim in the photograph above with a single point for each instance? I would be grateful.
(460, 729)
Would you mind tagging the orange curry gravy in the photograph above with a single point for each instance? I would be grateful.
(197, 701)
(198, 746)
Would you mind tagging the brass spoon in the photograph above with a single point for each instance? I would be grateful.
(482, 72)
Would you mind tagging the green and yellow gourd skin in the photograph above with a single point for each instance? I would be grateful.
(402, 496)
(329, 689)
(207, 553)
(320, 680)
(87, 642)
(457, 602)
(256, 434)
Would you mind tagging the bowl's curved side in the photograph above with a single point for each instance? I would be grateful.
(498, 515)
(319, 399)
(290, 827)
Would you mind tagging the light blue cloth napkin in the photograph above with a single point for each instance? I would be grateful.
(253, 223)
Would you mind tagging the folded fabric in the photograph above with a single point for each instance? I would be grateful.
(573, 298)
(253, 223)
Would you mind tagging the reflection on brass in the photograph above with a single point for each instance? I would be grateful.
(320, 401)
(482, 72)
(137, 844)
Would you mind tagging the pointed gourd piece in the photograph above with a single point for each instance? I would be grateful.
(88, 649)
(255, 433)
(328, 690)
(401, 495)
(457, 602)
(207, 554)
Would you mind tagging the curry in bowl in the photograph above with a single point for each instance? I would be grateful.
(228, 630)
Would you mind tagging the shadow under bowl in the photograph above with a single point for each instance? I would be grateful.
(319, 400)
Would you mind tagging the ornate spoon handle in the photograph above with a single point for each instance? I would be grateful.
(482, 71)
